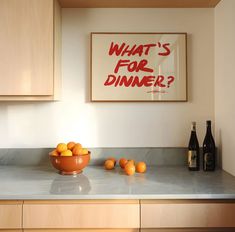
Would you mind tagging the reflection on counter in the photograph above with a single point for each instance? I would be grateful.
(66, 185)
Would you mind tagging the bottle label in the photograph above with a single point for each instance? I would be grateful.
(192, 159)
(208, 160)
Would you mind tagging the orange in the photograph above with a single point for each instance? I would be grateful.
(78, 145)
(84, 151)
(54, 153)
(77, 150)
(61, 147)
(109, 164)
(130, 169)
(71, 145)
(123, 162)
(66, 153)
(141, 167)
(132, 161)
(113, 159)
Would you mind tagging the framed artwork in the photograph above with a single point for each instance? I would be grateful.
(138, 67)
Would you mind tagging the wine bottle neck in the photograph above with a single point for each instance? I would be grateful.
(193, 127)
(208, 130)
(193, 134)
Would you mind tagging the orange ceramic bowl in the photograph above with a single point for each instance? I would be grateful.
(70, 165)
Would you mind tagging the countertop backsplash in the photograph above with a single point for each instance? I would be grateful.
(153, 156)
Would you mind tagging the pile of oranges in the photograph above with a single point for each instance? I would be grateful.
(69, 149)
(129, 166)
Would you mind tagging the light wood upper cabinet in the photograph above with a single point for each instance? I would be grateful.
(29, 49)
(82, 214)
(10, 215)
(139, 3)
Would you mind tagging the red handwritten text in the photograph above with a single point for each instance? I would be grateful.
(133, 66)
(127, 50)
(136, 81)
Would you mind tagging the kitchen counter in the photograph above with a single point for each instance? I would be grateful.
(43, 182)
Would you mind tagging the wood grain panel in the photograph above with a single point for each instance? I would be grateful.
(11, 230)
(194, 215)
(10, 202)
(28, 98)
(57, 50)
(83, 230)
(10, 215)
(187, 201)
(108, 201)
(139, 3)
(190, 230)
(81, 215)
(26, 45)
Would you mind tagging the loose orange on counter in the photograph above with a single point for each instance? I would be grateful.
(123, 162)
(61, 147)
(66, 153)
(141, 167)
(109, 164)
(113, 159)
(129, 169)
(71, 145)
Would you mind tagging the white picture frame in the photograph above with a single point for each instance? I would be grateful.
(138, 67)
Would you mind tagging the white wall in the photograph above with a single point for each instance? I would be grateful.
(118, 124)
(225, 82)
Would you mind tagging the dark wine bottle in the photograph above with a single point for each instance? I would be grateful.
(209, 156)
(193, 150)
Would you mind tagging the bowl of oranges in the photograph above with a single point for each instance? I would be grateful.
(70, 158)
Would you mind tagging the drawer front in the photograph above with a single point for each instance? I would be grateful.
(187, 215)
(11, 230)
(10, 215)
(82, 230)
(82, 215)
(189, 230)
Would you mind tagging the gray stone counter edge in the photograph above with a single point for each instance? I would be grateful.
(123, 197)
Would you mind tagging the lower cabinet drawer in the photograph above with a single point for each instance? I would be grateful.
(11, 230)
(160, 214)
(189, 230)
(10, 215)
(80, 230)
(81, 214)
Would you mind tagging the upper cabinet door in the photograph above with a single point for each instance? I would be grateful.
(26, 47)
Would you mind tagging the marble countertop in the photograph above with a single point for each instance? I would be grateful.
(42, 182)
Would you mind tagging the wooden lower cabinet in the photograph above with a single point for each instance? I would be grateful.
(81, 214)
(117, 216)
(11, 230)
(82, 230)
(164, 215)
(10, 215)
(190, 230)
